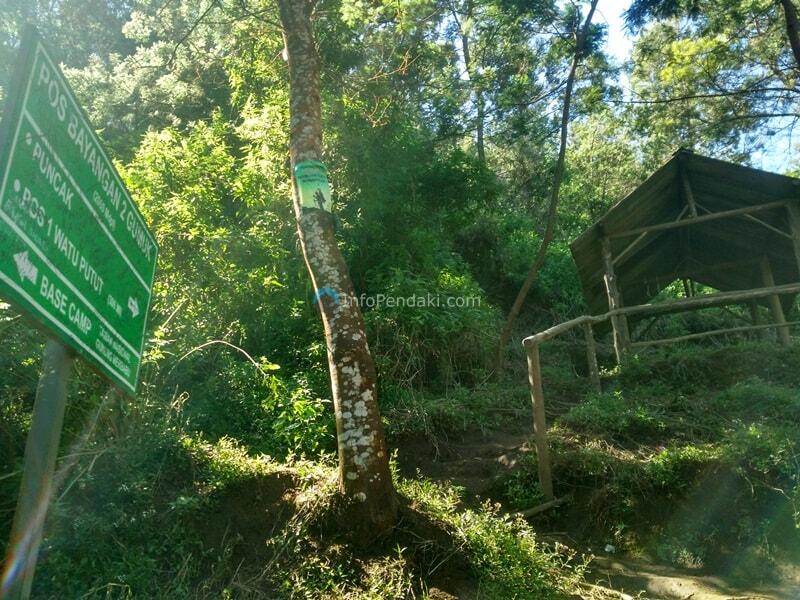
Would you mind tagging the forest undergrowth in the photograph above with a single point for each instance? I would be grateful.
(689, 457)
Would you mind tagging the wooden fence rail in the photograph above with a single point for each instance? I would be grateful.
(533, 342)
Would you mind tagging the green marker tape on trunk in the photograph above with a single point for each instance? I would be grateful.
(313, 185)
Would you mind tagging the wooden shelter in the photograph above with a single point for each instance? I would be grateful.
(729, 227)
(698, 219)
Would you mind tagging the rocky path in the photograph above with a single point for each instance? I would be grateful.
(475, 461)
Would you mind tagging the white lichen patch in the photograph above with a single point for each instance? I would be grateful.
(357, 378)
(353, 390)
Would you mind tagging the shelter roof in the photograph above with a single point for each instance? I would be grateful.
(723, 253)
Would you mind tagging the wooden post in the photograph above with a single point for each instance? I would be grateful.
(619, 323)
(794, 226)
(774, 302)
(591, 357)
(687, 288)
(539, 421)
(793, 208)
(755, 317)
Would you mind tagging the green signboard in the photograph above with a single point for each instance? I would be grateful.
(312, 182)
(75, 253)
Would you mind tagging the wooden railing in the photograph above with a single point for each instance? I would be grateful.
(586, 322)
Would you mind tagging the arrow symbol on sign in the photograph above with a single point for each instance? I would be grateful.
(27, 270)
(133, 306)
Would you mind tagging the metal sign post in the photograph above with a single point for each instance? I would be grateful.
(76, 257)
(41, 450)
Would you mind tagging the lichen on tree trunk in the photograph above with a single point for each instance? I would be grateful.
(364, 474)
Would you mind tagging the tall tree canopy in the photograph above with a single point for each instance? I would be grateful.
(720, 76)
(442, 125)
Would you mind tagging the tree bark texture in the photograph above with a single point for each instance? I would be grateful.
(364, 475)
(792, 28)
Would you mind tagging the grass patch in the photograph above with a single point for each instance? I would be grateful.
(409, 412)
(503, 552)
(693, 459)
(194, 518)
(614, 415)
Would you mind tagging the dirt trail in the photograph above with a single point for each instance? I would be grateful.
(658, 581)
(474, 463)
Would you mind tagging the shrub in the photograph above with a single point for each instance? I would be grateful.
(677, 467)
(756, 400)
(259, 408)
(612, 414)
(503, 552)
(446, 340)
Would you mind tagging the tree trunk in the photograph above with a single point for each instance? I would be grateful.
(505, 335)
(469, 67)
(364, 476)
(792, 28)
(481, 116)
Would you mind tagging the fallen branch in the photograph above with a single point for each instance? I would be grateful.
(529, 512)
(224, 343)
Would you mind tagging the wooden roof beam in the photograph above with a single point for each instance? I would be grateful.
(686, 188)
(756, 220)
(701, 219)
(631, 248)
(693, 272)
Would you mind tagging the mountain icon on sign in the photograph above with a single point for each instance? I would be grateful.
(133, 306)
(27, 270)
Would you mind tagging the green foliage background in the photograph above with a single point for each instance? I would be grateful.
(191, 97)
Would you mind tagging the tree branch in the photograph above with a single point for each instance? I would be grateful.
(558, 175)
